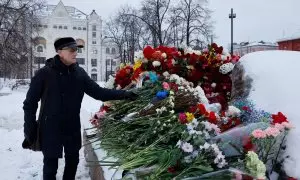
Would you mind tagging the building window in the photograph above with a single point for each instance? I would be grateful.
(94, 27)
(107, 62)
(94, 42)
(110, 73)
(114, 63)
(79, 28)
(74, 28)
(39, 60)
(84, 28)
(59, 27)
(94, 34)
(94, 70)
(95, 51)
(79, 50)
(94, 77)
(65, 27)
(94, 62)
(80, 60)
(113, 51)
(107, 50)
(39, 49)
(55, 27)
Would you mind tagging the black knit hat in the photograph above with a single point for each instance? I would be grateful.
(66, 42)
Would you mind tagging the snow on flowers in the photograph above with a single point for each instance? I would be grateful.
(183, 117)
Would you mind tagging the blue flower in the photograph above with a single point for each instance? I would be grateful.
(153, 77)
(162, 94)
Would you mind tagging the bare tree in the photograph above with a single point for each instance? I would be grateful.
(17, 18)
(196, 19)
(154, 15)
(125, 33)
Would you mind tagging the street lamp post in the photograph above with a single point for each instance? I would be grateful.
(232, 16)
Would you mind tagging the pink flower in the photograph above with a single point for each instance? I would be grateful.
(258, 133)
(100, 114)
(182, 118)
(166, 86)
(272, 131)
(94, 122)
(238, 176)
(287, 125)
(280, 127)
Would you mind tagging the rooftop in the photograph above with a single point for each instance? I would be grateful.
(73, 12)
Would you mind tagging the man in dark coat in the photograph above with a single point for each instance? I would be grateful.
(60, 85)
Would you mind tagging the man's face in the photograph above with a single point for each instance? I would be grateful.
(68, 55)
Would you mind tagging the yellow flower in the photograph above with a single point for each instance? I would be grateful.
(122, 65)
(189, 117)
(137, 64)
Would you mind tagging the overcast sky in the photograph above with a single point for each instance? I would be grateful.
(267, 20)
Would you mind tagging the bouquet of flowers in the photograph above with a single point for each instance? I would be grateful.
(183, 125)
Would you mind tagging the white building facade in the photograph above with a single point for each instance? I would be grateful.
(65, 21)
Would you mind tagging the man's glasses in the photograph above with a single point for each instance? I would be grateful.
(73, 49)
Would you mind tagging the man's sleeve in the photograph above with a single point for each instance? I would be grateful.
(92, 89)
(30, 105)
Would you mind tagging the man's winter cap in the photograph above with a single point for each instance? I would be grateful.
(66, 42)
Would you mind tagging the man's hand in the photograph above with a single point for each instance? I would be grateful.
(130, 95)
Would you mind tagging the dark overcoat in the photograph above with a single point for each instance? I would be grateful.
(61, 103)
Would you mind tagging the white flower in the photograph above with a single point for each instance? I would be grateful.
(110, 83)
(213, 85)
(158, 111)
(192, 131)
(206, 145)
(195, 154)
(188, 159)
(224, 57)
(139, 55)
(156, 63)
(118, 87)
(176, 78)
(190, 67)
(164, 55)
(187, 147)
(172, 105)
(215, 107)
(145, 60)
(193, 124)
(226, 68)
(179, 143)
(172, 112)
(166, 74)
(188, 50)
(233, 111)
(173, 62)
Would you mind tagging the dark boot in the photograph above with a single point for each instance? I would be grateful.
(71, 166)
(50, 168)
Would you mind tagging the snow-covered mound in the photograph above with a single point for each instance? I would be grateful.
(270, 80)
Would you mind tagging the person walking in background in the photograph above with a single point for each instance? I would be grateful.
(60, 85)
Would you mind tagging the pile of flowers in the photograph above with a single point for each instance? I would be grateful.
(210, 69)
(183, 125)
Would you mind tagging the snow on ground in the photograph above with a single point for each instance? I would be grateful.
(17, 163)
(276, 88)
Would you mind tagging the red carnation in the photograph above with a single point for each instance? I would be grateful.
(171, 170)
(202, 109)
(246, 108)
(279, 118)
(148, 51)
(212, 118)
(247, 144)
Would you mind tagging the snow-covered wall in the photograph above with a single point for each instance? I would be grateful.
(271, 80)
